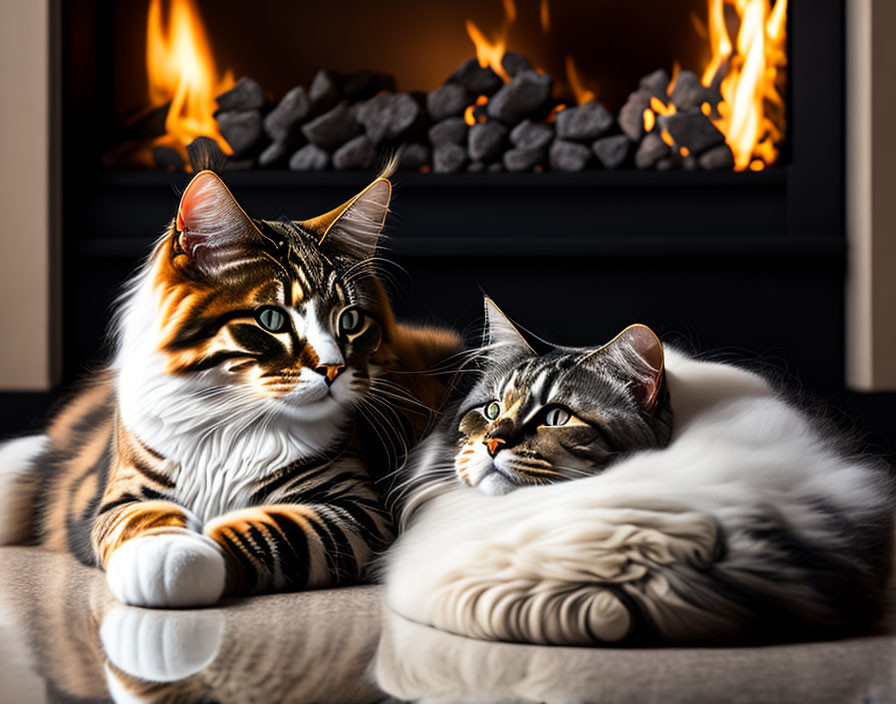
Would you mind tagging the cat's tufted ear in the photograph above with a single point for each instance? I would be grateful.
(354, 227)
(638, 353)
(211, 228)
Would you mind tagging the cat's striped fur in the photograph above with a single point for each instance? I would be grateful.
(234, 443)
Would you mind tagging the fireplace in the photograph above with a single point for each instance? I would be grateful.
(518, 85)
(748, 262)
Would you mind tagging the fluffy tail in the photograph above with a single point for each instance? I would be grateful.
(17, 487)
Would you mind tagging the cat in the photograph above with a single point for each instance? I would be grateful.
(233, 443)
(633, 494)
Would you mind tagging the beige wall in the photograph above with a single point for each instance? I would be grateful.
(871, 194)
(28, 311)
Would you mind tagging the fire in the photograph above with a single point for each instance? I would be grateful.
(470, 115)
(582, 94)
(750, 87)
(181, 70)
(490, 53)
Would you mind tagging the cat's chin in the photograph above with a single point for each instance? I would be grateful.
(322, 409)
(495, 484)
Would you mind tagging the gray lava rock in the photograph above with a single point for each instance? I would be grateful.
(390, 116)
(278, 153)
(309, 158)
(651, 150)
(717, 158)
(690, 93)
(243, 130)
(324, 92)
(167, 158)
(361, 85)
(530, 135)
(528, 93)
(285, 119)
(584, 122)
(631, 116)
(513, 63)
(246, 94)
(486, 140)
(477, 79)
(656, 83)
(450, 131)
(357, 153)
(691, 129)
(495, 167)
(568, 156)
(449, 100)
(413, 156)
(332, 129)
(448, 158)
(612, 151)
(523, 159)
(475, 167)
(670, 163)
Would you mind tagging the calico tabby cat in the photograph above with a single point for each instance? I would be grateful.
(227, 449)
(704, 507)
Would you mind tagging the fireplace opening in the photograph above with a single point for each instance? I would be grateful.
(517, 85)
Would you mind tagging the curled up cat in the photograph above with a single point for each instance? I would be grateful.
(632, 494)
(233, 444)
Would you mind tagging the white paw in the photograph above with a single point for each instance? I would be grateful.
(176, 569)
(160, 646)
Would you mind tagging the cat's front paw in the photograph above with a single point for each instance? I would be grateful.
(176, 569)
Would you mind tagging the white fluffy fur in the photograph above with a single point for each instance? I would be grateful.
(16, 501)
(167, 570)
(547, 564)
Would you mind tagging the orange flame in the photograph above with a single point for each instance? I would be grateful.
(582, 94)
(544, 16)
(750, 87)
(470, 116)
(180, 68)
(490, 53)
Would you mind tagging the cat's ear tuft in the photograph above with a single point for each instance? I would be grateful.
(354, 228)
(211, 228)
(641, 355)
(501, 335)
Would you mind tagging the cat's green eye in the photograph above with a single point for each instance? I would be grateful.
(492, 410)
(271, 319)
(349, 321)
(557, 416)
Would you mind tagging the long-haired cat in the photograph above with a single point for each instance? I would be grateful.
(227, 448)
(702, 506)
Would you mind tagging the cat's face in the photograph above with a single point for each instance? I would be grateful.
(542, 418)
(285, 313)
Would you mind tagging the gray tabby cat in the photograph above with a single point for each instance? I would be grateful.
(740, 519)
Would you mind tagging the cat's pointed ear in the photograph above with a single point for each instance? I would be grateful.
(639, 353)
(499, 330)
(353, 228)
(501, 336)
(211, 228)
